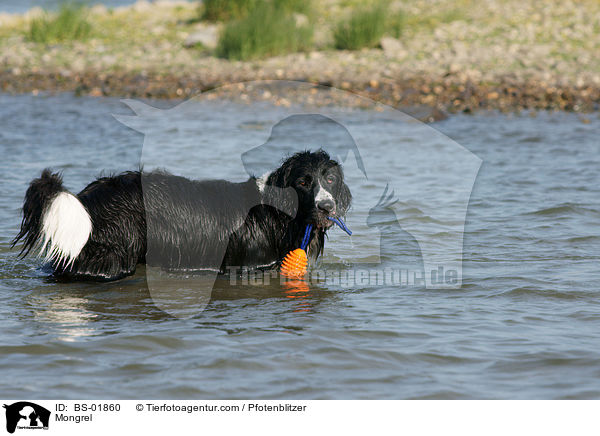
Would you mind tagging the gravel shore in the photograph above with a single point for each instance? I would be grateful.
(506, 55)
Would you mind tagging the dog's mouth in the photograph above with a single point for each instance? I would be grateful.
(324, 222)
(320, 220)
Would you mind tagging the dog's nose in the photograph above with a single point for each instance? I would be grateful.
(326, 205)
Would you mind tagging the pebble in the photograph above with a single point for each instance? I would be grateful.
(392, 47)
(207, 35)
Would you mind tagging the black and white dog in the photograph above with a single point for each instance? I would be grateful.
(160, 219)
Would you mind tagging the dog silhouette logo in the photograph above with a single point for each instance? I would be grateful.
(26, 415)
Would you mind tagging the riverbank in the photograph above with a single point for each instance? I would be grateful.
(457, 57)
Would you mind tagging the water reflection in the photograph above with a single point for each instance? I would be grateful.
(299, 292)
(66, 316)
(75, 311)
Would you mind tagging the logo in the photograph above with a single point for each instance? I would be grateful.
(26, 415)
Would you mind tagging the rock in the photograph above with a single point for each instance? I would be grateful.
(392, 47)
(396, 7)
(301, 20)
(207, 35)
(96, 92)
(142, 6)
(7, 19)
(35, 12)
(425, 113)
(99, 9)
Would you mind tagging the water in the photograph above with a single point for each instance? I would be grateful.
(20, 6)
(525, 323)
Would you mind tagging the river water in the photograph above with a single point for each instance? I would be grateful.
(525, 323)
(20, 6)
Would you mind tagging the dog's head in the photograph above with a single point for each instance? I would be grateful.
(319, 182)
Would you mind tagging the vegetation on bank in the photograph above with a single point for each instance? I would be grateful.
(69, 23)
(364, 27)
(450, 51)
(249, 29)
(227, 10)
(262, 28)
(268, 29)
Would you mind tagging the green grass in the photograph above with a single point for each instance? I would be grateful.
(268, 30)
(364, 28)
(68, 24)
(227, 10)
(298, 6)
(394, 24)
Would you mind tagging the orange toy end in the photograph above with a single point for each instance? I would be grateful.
(294, 264)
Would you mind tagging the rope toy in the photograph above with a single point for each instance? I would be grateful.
(341, 224)
(295, 263)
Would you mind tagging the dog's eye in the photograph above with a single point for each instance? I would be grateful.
(301, 182)
(330, 179)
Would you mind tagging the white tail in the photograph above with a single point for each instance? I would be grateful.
(66, 228)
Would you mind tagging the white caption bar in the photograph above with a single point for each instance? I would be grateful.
(159, 417)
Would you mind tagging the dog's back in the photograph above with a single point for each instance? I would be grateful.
(119, 221)
(190, 223)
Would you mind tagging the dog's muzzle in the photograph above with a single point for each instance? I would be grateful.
(326, 206)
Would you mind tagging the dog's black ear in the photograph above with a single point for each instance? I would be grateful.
(343, 194)
(281, 176)
(283, 199)
(345, 198)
